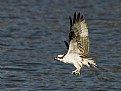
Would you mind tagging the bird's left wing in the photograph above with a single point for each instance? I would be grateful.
(78, 36)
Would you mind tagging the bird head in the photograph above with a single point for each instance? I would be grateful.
(59, 57)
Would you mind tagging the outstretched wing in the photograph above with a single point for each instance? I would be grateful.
(67, 45)
(78, 36)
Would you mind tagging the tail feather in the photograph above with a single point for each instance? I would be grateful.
(89, 62)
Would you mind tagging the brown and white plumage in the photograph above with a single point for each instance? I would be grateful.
(78, 46)
(78, 36)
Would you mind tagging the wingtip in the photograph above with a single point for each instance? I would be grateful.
(74, 19)
(67, 45)
(82, 17)
(70, 21)
(75, 13)
(69, 17)
(78, 16)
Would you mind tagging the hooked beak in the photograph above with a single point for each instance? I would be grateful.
(55, 58)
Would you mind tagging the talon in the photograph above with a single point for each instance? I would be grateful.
(75, 72)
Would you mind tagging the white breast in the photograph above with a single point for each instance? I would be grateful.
(71, 58)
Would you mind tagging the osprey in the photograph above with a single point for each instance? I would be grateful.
(78, 46)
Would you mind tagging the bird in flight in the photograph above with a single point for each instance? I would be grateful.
(78, 45)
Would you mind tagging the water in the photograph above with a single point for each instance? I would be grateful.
(32, 33)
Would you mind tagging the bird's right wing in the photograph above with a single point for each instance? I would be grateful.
(67, 45)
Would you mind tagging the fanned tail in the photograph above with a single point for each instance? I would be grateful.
(89, 62)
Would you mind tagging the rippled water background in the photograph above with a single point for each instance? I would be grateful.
(32, 33)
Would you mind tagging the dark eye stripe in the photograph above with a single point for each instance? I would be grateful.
(60, 57)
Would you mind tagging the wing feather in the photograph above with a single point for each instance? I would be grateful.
(78, 36)
(67, 45)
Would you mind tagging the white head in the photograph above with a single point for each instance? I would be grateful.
(59, 57)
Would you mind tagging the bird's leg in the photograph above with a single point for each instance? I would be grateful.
(77, 71)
